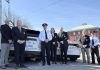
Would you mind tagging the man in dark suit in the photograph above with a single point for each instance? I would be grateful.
(19, 38)
(63, 37)
(6, 40)
(54, 45)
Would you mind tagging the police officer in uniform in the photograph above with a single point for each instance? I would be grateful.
(54, 45)
(95, 47)
(63, 37)
(45, 38)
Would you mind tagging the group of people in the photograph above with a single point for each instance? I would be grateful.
(17, 36)
(49, 43)
(89, 47)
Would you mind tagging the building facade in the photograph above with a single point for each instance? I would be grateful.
(76, 32)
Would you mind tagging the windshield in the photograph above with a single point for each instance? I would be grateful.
(32, 33)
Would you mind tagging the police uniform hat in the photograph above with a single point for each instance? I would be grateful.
(44, 24)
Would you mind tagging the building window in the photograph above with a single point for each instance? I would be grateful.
(78, 33)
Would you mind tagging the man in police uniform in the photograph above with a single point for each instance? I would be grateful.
(45, 38)
(63, 37)
(94, 47)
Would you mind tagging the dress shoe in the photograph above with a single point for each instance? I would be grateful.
(17, 66)
(92, 63)
(49, 64)
(62, 62)
(7, 65)
(55, 62)
(84, 61)
(65, 62)
(23, 66)
(2, 67)
(43, 64)
(98, 63)
(52, 62)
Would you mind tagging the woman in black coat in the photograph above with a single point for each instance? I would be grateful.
(63, 40)
(54, 45)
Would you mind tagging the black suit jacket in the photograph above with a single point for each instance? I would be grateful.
(87, 41)
(6, 33)
(17, 35)
(55, 39)
(64, 38)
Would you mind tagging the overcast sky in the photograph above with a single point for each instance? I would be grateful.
(57, 13)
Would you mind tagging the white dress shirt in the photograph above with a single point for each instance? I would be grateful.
(96, 41)
(42, 35)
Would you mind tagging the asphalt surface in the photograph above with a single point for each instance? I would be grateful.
(78, 65)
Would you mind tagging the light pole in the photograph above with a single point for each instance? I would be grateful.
(0, 12)
(9, 12)
(0, 19)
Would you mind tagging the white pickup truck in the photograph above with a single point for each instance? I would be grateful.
(33, 47)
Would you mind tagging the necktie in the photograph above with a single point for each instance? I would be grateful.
(92, 41)
(46, 35)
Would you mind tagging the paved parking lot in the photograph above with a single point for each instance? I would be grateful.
(78, 65)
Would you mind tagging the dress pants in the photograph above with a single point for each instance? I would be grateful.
(45, 49)
(96, 52)
(19, 50)
(54, 53)
(63, 50)
(86, 51)
(5, 47)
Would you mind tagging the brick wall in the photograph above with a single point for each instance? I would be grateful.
(74, 35)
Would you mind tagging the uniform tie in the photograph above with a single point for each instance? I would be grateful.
(46, 35)
(92, 41)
